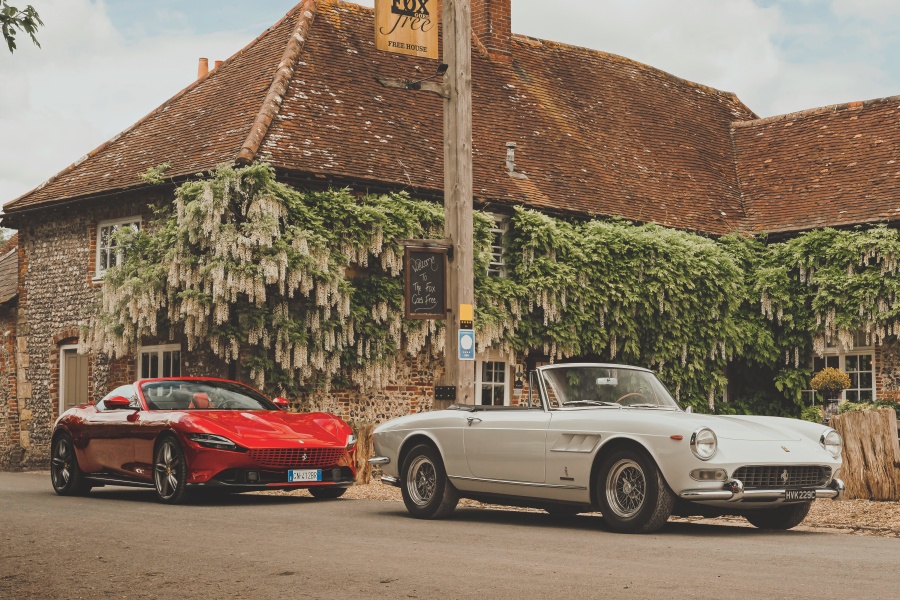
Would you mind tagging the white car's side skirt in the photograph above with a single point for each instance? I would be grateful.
(521, 483)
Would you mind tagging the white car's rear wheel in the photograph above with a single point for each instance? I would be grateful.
(782, 517)
(427, 493)
(633, 496)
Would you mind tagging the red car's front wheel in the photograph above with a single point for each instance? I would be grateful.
(170, 472)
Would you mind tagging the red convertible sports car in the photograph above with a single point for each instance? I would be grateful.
(181, 434)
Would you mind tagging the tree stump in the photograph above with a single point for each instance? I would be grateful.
(365, 449)
(871, 454)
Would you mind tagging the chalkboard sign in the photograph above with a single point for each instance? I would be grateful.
(426, 288)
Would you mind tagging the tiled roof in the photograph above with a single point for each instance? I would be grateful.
(596, 134)
(838, 165)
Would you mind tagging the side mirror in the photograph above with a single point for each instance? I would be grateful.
(282, 403)
(689, 409)
(117, 403)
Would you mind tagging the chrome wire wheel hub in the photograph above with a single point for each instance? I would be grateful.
(626, 488)
(61, 463)
(422, 480)
(165, 472)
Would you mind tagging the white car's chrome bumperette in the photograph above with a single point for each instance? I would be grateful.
(390, 480)
(380, 460)
(733, 491)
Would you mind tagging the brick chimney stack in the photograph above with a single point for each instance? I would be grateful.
(202, 68)
(492, 25)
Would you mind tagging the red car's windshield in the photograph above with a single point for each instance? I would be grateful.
(202, 395)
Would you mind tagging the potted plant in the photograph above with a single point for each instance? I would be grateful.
(830, 382)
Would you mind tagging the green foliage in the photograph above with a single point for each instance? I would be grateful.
(13, 20)
(812, 413)
(305, 288)
(156, 175)
(830, 382)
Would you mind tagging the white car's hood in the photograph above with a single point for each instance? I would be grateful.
(750, 428)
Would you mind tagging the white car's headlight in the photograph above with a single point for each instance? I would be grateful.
(832, 441)
(704, 443)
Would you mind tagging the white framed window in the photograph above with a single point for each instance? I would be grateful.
(159, 361)
(492, 380)
(497, 266)
(109, 254)
(858, 363)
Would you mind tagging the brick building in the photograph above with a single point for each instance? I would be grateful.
(595, 135)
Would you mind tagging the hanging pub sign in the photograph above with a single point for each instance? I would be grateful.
(425, 292)
(407, 27)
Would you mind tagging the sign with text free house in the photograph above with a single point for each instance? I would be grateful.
(407, 27)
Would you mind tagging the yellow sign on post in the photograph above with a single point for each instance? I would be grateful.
(407, 27)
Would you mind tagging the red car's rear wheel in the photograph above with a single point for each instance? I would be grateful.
(65, 475)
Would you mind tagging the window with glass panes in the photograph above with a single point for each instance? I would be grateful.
(159, 361)
(861, 369)
(493, 383)
(109, 253)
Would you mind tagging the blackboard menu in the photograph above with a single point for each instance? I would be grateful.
(426, 288)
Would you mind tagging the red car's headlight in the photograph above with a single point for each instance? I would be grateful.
(209, 440)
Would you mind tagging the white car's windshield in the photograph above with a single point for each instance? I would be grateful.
(594, 385)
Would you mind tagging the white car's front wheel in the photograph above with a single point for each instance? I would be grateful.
(633, 496)
(427, 493)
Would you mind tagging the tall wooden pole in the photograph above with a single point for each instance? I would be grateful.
(458, 225)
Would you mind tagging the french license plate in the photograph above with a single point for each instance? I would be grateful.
(799, 495)
(295, 475)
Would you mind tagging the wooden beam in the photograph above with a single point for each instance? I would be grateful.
(458, 224)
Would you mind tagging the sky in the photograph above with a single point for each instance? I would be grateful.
(104, 64)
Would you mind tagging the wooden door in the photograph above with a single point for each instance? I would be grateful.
(74, 379)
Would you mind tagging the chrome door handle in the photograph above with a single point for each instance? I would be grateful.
(473, 420)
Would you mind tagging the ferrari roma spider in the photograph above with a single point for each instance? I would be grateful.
(182, 434)
(610, 438)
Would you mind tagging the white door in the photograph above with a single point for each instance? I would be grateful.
(507, 444)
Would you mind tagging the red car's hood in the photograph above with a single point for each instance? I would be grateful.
(271, 428)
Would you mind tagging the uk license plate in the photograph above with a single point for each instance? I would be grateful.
(790, 495)
(295, 475)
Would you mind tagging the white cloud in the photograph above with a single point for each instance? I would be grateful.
(84, 85)
(867, 10)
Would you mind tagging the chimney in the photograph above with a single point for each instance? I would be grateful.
(203, 68)
(492, 25)
(218, 64)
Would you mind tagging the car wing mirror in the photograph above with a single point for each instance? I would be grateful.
(282, 403)
(689, 409)
(117, 403)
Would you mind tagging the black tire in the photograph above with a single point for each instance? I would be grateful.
(327, 493)
(170, 472)
(782, 517)
(427, 493)
(65, 474)
(633, 496)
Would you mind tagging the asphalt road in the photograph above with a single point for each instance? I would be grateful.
(120, 543)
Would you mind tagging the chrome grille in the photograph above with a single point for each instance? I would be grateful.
(774, 477)
(297, 458)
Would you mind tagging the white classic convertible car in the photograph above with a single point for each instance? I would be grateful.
(610, 438)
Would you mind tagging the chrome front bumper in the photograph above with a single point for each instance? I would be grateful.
(379, 460)
(733, 491)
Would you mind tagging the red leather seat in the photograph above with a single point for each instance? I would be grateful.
(200, 400)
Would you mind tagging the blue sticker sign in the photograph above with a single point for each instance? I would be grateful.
(466, 344)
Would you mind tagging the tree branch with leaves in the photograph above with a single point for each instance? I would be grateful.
(14, 20)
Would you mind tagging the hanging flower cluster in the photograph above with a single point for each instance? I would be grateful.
(306, 288)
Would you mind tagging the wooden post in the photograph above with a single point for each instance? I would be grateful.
(458, 225)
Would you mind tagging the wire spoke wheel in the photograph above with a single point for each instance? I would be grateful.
(422, 480)
(626, 488)
(427, 491)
